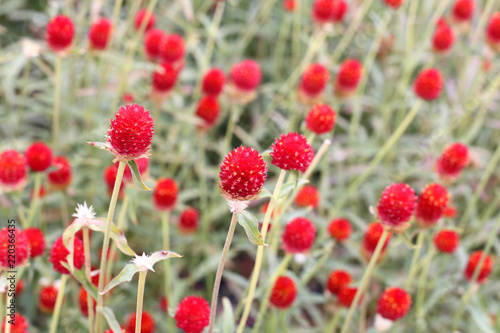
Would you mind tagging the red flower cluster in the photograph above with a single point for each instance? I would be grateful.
(172, 48)
(348, 77)
(193, 314)
(213, 82)
(485, 269)
(395, 4)
(147, 323)
(320, 119)
(314, 80)
(165, 194)
(164, 78)
(429, 84)
(245, 75)
(38, 156)
(60, 178)
(47, 298)
(493, 31)
(141, 16)
(370, 240)
(36, 241)
(299, 235)
(13, 170)
(346, 296)
(328, 11)
(59, 253)
(188, 221)
(307, 196)
(292, 152)
(337, 280)
(463, 10)
(446, 241)
(396, 205)
(208, 111)
(443, 38)
(394, 303)
(21, 325)
(454, 158)
(152, 40)
(21, 251)
(60, 33)
(340, 229)
(283, 293)
(431, 204)
(99, 34)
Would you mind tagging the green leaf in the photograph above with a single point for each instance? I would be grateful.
(125, 275)
(228, 316)
(136, 175)
(110, 318)
(79, 275)
(250, 224)
(163, 255)
(116, 234)
(265, 193)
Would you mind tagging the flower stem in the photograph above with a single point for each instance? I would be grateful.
(120, 223)
(297, 15)
(105, 243)
(36, 197)
(86, 249)
(332, 325)
(260, 252)
(165, 224)
(140, 299)
(364, 280)
(421, 285)
(57, 101)
(220, 269)
(233, 119)
(414, 261)
(59, 301)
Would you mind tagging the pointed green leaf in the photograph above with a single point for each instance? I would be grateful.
(125, 275)
(250, 224)
(110, 318)
(163, 255)
(117, 235)
(79, 275)
(136, 175)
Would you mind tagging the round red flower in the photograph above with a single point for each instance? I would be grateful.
(429, 84)
(193, 314)
(38, 156)
(60, 178)
(307, 196)
(60, 33)
(83, 302)
(444, 38)
(165, 194)
(485, 269)
(320, 119)
(289, 5)
(394, 3)
(463, 10)
(283, 293)
(208, 110)
(59, 253)
(394, 303)
(493, 29)
(292, 152)
(99, 34)
(21, 248)
(349, 75)
(325, 11)
(431, 204)
(346, 296)
(454, 158)
(13, 169)
(371, 238)
(172, 48)
(188, 221)
(147, 323)
(446, 241)
(21, 325)
(47, 299)
(36, 241)
(141, 16)
(299, 235)
(164, 78)
(396, 205)
(152, 41)
(246, 75)
(213, 82)
(314, 79)
(338, 280)
(340, 229)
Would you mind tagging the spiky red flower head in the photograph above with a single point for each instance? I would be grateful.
(242, 174)
(246, 75)
(208, 110)
(325, 11)
(47, 298)
(340, 229)
(395, 4)
(394, 303)
(443, 38)
(36, 241)
(292, 152)
(346, 296)
(446, 241)
(320, 119)
(152, 41)
(59, 252)
(463, 10)
(428, 84)
(349, 75)
(337, 280)
(396, 205)
(283, 293)
(454, 158)
(83, 302)
(142, 165)
(164, 78)
(371, 238)
(21, 325)
(299, 235)
(188, 221)
(147, 323)
(140, 16)
(12, 169)
(60, 33)
(314, 79)
(213, 82)
(493, 29)
(21, 247)
(472, 264)
(165, 194)
(307, 196)
(193, 314)
(172, 48)
(99, 34)
(431, 204)
(164, 304)
(289, 5)
(131, 132)
(60, 178)
(38, 156)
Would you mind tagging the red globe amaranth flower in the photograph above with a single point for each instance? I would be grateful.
(314, 79)
(446, 241)
(131, 132)
(164, 304)
(38, 156)
(493, 31)
(443, 38)
(340, 229)
(299, 235)
(428, 84)
(396, 206)
(109, 176)
(371, 238)
(289, 5)
(454, 158)
(172, 48)
(192, 315)
(307, 196)
(60, 33)
(164, 78)
(21, 248)
(463, 10)
(142, 165)
(165, 194)
(320, 119)
(60, 178)
(283, 293)
(450, 211)
(337, 280)
(208, 110)
(246, 75)
(21, 325)
(348, 77)
(346, 296)
(213, 82)
(292, 152)
(128, 98)
(99, 34)
(188, 221)
(20, 287)
(431, 204)
(484, 271)
(152, 41)
(36, 241)
(13, 170)
(47, 299)
(242, 174)
(83, 302)
(141, 16)
(59, 253)
(147, 323)
(395, 4)
(328, 11)
(394, 303)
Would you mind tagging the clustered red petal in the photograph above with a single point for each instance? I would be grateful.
(172, 48)
(164, 78)
(140, 16)
(36, 241)
(454, 158)
(493, 29)
(47, 298)
(429, 84)
(21, 325)
(38, 156)
(443, 38)
(371, 238)
(147, 323)
(193, 314)
(314, 79)
(165, 194)
(396, 205)
(21, 248)
(152, 40)
(307, 196)
(289, 5)
(208, 110)
(320, 119)
(83, 302)
(328, 11)
(431, 204)
(394, 3)
(242, 174)
(188, 221)
(59, 252)
(394, 303)
(13, 168)
(337, 280)
(60, 33)
(349, 75)
(446, 241)
(463, 10)
(346, 296)
(292, 152)
(472, 264)
(299, 235)
(246, 75)
(99, 34)
(340, 229)
(60, 178)
(213, 82)
(283, 293)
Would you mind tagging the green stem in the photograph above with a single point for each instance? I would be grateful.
(297, 13)
(140, 299)
(233, 119)
(22, 99)
(220, 270)
(412, 13)
(120, 224)
(414, 261)
(86, 249)
(280, 45)
(59, 302)
(165, 224)
(421, 286)
(57, 101)
(281, 319)
(202, 167)
(212, 34)
(332, 325)
(36, 197)
(64, 210)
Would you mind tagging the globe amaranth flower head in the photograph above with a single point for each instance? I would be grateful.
(292, 152)
(337, 280)
(193, 314)
(320, 119)
(22, 247)
(60, 33)
(13, 170)
(99, 34)
(283, 293)
(394, 303)
(431, 205)
(396, 205)
(147, 322)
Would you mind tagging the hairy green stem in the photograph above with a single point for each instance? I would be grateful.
(414, 260)
(86, 249)
(140, 299)
(57, 101)
(165, 224)
(36, 197)
(59, 302)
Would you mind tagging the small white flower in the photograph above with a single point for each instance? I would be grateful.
(143, 262)
(382, 324)
(84, 215)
